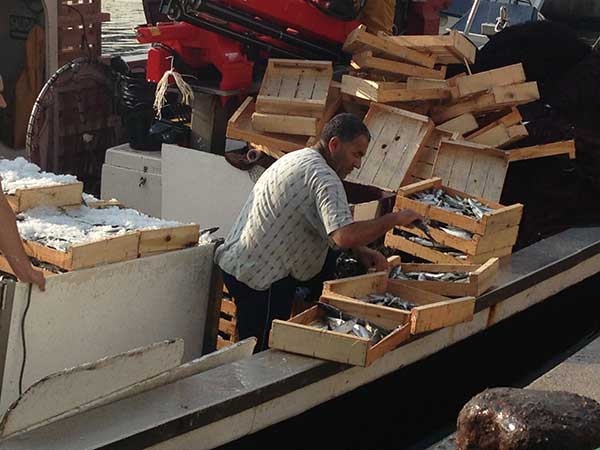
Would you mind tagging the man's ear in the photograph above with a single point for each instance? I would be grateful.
(333, 144)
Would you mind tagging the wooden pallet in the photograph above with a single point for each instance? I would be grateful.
(433, 311)
(452, 48)
(297, 336)
(227, 322)
(366, 61)
(295, 87)
(129, 246)
(481, 277)
(59, 195)
(494, 99)
(398, 138)
(480, 171)
(359, 41)
(436, 256)
(83, 16)
(389, 91)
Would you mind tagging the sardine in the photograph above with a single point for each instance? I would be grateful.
(457, 232)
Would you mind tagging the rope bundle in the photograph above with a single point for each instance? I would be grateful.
(161, 90)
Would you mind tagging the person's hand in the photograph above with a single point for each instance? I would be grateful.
(406, 217)
(26, 273)
(372, 259)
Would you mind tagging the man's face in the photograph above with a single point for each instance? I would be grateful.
(347, 156)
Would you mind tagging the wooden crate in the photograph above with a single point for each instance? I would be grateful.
(59, 195)
(480, 171)
(482, 81)
(481, 278)
(277, 144)
(500, 219)
(297, 336)
(366, 61)
(463, 124)
(389, 91)
(295, 87)
(398, 137)
(494, 99)
(453, 48)
(434, 311)
(359, 41)
(6, 268)
(431, 254)
(501, 132)
(115, 249)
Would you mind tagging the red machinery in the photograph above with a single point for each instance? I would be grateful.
(223, 33)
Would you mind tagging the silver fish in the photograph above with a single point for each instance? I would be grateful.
(457, 232)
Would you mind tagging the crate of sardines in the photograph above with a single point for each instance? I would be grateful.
(460, 228)
(335, 331)
(388, 299)
(452, 280)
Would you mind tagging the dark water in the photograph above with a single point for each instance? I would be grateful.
(118, 36)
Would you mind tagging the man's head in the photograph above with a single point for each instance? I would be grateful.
(345, 139)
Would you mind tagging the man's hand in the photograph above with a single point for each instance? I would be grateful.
(26, 273)
(406, 217)
(371, 259)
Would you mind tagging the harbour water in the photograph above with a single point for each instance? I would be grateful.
(118, 36)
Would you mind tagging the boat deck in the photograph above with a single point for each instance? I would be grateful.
(237, 399)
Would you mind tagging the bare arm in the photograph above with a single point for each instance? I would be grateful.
(362, 233)
(12, 247)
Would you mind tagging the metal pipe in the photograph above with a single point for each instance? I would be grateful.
(245, 39)
(263, 27)
(471, 17)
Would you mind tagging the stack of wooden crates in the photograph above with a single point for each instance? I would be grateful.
(428, 132)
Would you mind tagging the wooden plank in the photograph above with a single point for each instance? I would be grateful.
(415, 83)
(442, 314)
(415, 249)
(462, 124)
(366, 60)
(60, 195)
(359, 40)
(274, 123)
(494, 99)
(228, 307)
(228, 327)
(394, 149)
(167, 239)
(512, 118)
(381, 316)
(357, 287)
(453, 48)
(389, 343)
(115, 249)
(483, 81)
(541, 151)
(7, 268)
(434, 182)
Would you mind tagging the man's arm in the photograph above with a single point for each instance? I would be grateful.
(12, 247)
(362, 233)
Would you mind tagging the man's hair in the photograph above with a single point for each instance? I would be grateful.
(346, 127)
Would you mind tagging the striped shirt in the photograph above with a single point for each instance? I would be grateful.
(284, 227)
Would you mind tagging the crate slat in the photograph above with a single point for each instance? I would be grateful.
(59, 195)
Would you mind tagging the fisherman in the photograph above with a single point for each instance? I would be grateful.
(297, 208)
(11, 245)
